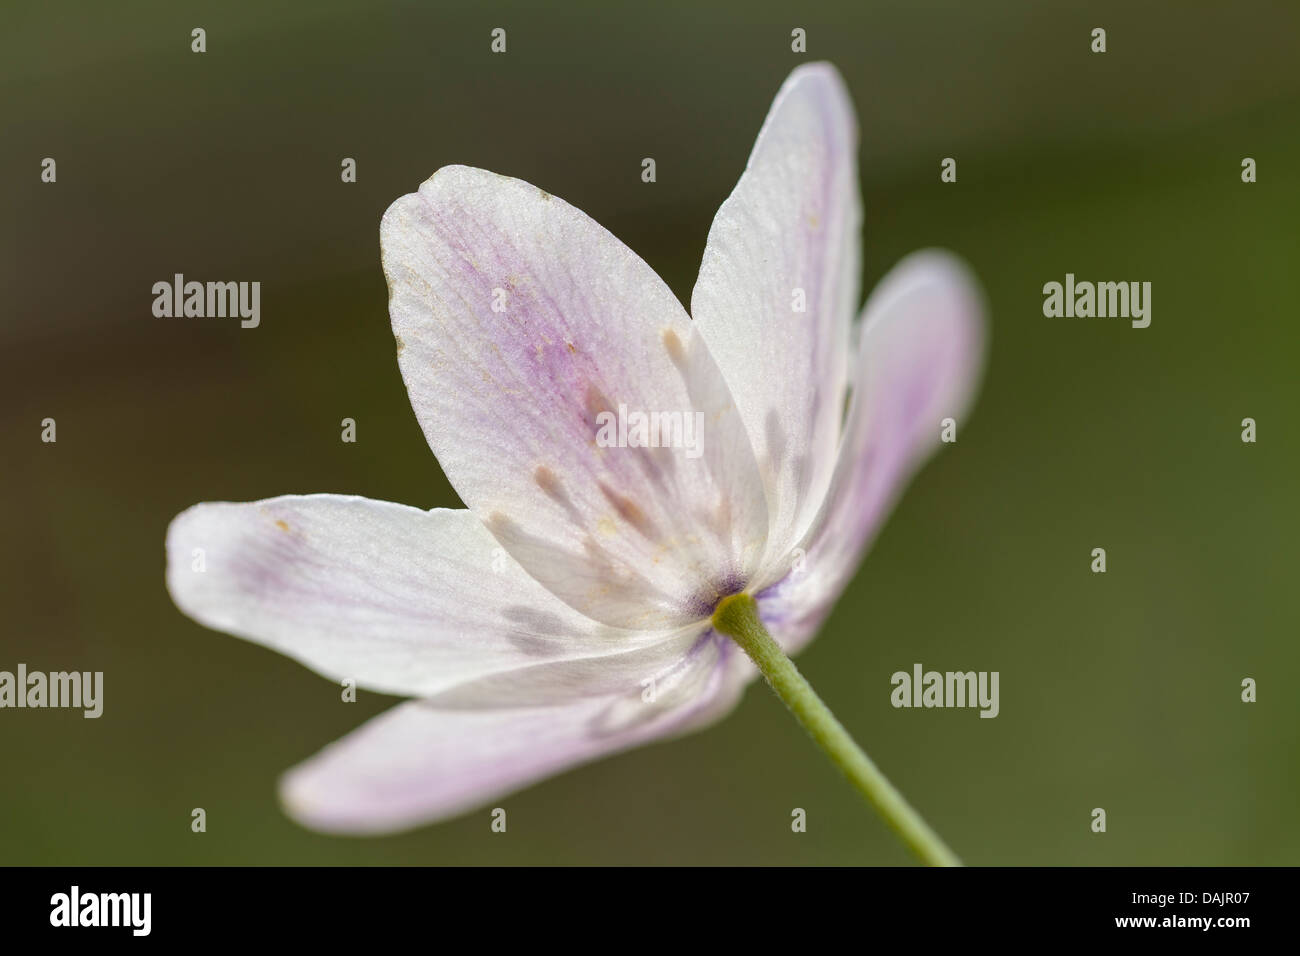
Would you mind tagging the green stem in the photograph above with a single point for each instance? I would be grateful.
(737, 617)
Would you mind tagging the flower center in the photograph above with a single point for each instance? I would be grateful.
(707, 602)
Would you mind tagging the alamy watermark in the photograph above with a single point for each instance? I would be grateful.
(82, 690)
(75, 908)
(1123, 300)
(636, 429)
(208, 300)
(947, 689)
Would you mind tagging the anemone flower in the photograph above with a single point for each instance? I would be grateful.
(659, 506)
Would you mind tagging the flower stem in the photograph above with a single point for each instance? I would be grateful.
(737, 617)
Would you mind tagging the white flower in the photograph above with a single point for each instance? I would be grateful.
(566, 613)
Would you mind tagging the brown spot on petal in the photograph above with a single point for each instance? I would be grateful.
(550, 483)
(281, 525)
(499, 524)
(596, 402)
(400, 344)
(628, 510)
(674, 346)
(547, 481)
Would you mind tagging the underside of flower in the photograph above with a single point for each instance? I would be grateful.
(633, 476)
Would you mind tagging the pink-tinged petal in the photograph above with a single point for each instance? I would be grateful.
(792, 223)
(521, 323)
(397, 599)
(427, 760)
(919, 360)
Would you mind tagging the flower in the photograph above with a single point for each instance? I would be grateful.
(565, 614)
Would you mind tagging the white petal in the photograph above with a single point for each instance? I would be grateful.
(427, 760)
(792, 223)
(919, 361)
(519, 322)
(400, 600)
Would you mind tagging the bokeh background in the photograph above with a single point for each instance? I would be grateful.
(1119, 690)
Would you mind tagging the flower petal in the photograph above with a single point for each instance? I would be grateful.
(400, 600)
(523, 326)
(427, 760)
(919, 360)
(790, 228)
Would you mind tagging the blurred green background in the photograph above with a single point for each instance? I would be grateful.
(1118, 691)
